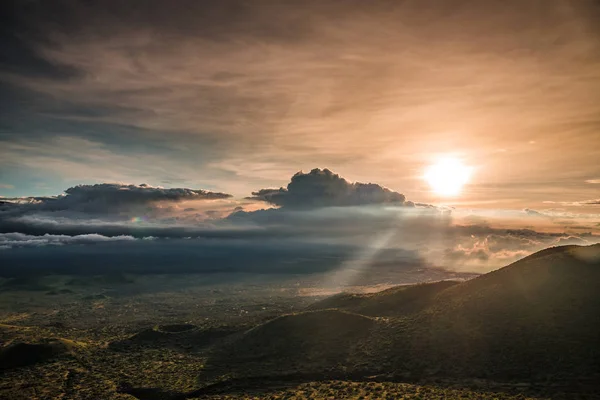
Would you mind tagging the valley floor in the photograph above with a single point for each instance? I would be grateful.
(149, 338)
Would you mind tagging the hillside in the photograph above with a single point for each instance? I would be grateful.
(535, 319)
(396, 301)
(299, 343)
(176, 336)
(20, 354)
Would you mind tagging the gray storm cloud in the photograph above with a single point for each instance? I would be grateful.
(323, 188)
(109, 198)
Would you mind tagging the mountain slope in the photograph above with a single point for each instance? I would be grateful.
(537, 318)
(396, 301)
(308, 341)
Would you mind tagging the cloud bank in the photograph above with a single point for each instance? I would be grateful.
(15, 239)
(320, 218)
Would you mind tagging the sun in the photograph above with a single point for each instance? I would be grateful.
(447, 176)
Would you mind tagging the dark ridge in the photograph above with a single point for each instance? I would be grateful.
(21, 354)
(148, 393)
(99, 296)
(305, 341)
(176, 328)
(396, 301)
(178, 336)
(25, 283)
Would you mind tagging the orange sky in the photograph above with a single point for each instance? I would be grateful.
(237, 97)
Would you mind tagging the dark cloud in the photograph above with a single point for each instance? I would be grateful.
(109, 198)
(323, 188)
(21, 44)
(40, 225)
(593, 202)
(300, 240)
(221, 258)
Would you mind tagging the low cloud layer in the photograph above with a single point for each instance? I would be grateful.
(320, 222)
(582, 203)
(323, 188)
(15, 239)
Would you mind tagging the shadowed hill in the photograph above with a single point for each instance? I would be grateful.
(396, 301)
(306, 341)
(552, 280)
(535, 319)
(22, 354)
(179, 336)
(23, 283)
(537, 316)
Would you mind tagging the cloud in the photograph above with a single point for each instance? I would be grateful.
(481, 251)
(6, 186)
(560, 213)
(108, 198)
(534, 213)
(369, 225)
(15, 240)
(582, 203)
(572, 240)
(323, 188)
(366, 236)
(221, 260)
(593, 202)
(491, 250)
(593, 181)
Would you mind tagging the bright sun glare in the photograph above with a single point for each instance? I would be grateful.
(447, 176)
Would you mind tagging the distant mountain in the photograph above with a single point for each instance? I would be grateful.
(536, 319)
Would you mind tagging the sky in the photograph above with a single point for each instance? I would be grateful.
(202, 106)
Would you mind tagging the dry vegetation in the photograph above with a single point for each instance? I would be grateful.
(335, 390)
(511, 334)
